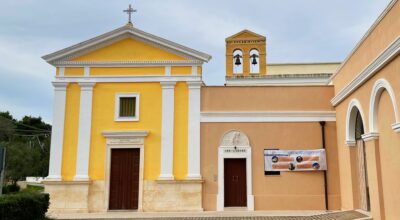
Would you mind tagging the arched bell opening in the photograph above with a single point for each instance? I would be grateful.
(237, 61)
(254, 61)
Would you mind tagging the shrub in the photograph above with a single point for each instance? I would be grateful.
(10, 188)
(33, 188)
(21, 206)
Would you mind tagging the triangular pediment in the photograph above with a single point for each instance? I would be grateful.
(245, 34)
(126, 44)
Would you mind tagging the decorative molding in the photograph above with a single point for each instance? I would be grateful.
(168, 85)
(350, 143)
(61, 71)
(351, 116)
(396, 127)
(273, 116)
(230, 151)
(380, 86)
(167, 70)
(369, 31)
(370, 136)
(60, 86)
(148, 78)
(278, 80)
(194, 70)
(118, 97)
(124, 32)
(127, 63)
(384, 58)
(118, 140)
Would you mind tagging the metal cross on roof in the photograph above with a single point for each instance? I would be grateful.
(129, 11)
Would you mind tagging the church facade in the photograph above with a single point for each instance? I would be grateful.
(136, 128)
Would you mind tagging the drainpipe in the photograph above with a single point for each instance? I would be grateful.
(322, 123)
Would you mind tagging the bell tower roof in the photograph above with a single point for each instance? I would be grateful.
(245, 34)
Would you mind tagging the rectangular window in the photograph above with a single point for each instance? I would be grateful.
(127, 107)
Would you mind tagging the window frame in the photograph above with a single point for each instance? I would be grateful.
(118, 97)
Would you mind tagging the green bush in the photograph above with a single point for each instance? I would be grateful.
(33, 188)
(10, 188)
(21, 206)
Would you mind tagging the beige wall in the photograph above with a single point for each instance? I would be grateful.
(290, 190)
(248, 98)
(379, 39)
(302, 68)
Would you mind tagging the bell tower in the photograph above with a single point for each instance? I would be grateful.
(246, 54)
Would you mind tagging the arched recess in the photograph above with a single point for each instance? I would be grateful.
(380, 86)
(237, 61)
(234, 144)
(353, 109)
(254, 61)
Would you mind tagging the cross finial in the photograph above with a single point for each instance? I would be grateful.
(129, 11)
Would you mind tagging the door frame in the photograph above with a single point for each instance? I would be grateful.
(241, 149)
(124, 140)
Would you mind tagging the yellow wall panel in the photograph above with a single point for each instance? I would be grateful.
(73, 71)
(70, 132)
(181, 131)
(181, 70)
(128, 49)
(121, 71)
(103, 120)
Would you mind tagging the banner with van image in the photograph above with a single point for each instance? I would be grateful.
(295, 160)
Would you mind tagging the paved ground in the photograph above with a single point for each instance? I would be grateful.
(346, 215)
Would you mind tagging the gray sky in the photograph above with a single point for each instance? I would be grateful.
(296, 31)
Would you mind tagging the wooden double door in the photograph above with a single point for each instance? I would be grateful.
(124, 179)
(235, 193)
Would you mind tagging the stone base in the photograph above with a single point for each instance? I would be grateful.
(158, 196)
(172, 195)
(68, 196)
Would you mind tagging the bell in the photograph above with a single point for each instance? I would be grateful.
(237, 60)
(254, 61)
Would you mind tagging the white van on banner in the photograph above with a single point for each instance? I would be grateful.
(295, 160)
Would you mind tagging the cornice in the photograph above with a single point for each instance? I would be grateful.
(396, 127)
(146, 78)
(272, 116)
(370, 136)
(127, 63)
(385, 57)
(125, 134)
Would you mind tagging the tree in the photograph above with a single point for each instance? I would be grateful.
(28, 146)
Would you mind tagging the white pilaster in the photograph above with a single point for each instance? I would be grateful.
(194, 130)
(194, 70)
(167, 133)
(57, 132)
(86, 71)
(85, 124)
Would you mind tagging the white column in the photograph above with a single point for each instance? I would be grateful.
(85, 125)
(194, 131)
(167, 131)
(57, 131)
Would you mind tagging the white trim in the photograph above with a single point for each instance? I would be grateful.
(350, 143)
(127, 63)
(61, 71)
(380, 86)
(396, 127)
(86, 71)
(370, 136)
(351, 117)
(120, 95)
(84, 132)
(377, 64)
(194, 70)
(124, 139)
(127, 31)
(57, 131)
(234, 152)
(369, 31)
(194, 130)
(303, 81)
(167, 70)
(272, 116)
(167, 131)
(147, 78)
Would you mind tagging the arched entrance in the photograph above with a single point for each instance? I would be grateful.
(355, 130)
(234, 172)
